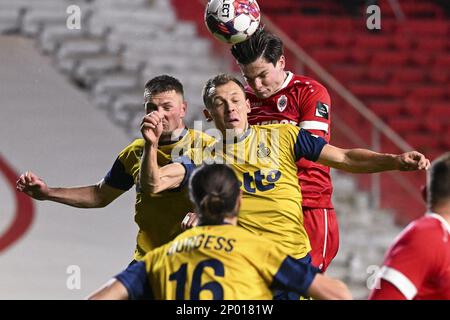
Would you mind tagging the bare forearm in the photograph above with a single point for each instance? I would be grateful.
(80, 197)
(366, 161)
(325, 288)
(149, 171)
(155, 179)
(113, 290)
(358, 160)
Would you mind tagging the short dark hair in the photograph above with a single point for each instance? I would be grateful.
(214, 189)
(162, 83)
(261, 44)
(439, 180)
(217, 81)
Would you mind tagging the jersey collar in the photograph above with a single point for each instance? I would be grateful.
(223, 223)
(441, 219)
(183, 133)
(239, 138)
(288, 79)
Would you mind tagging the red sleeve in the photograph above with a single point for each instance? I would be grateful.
(410, 261)
(315, 109)
(386, 291)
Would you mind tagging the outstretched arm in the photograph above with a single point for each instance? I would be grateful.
(112, 290)
(366, 161)
(326, 288)
(154, 179)
(94, 196)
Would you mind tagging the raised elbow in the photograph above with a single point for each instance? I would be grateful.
(151, 188)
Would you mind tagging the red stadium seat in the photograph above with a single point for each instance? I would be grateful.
(376, 42)
(445, 143)
(441, 111)
(414, 107)
(341, 25)
(386, 109)
(349, 72)
(388, 25)
(433, 123)
(377, 91)
(439, 75)
(421, 9)
(389, 58)
(443, 61)
(419, 58)
(360, 56)
(379, 74)
(279, 5)
(328, 56)
(422, 140)
(424, 28)
(341, 39)
(311, 40)
(430, 44)
(400, 42)
(407, 75)
(301, 22)
(429, 93)
(405, 124)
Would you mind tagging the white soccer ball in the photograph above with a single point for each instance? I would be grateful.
(232, 21)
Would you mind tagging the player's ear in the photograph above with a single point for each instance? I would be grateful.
(183, 109)
(239, 201)
(281, 62)
(423, 190)
(247, 103)
(207, 115)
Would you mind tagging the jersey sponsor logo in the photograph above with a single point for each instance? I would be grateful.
(256, 181)
(262, 151)
(322, 110)
(282, 103)
(255, 104)
(284, 121)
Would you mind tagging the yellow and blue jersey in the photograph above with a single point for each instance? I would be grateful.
(158, 216)
(264, 161)
(221, 262)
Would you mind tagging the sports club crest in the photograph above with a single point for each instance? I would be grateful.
(282, 103)
(262, 151)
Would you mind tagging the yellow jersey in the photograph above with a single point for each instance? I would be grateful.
(158, 216)
(263, 159)
(220, 262)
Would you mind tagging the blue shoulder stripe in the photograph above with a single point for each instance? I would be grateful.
(189, 166)
(135, 279)
(307, 146)
(294, 275)
(118, 178)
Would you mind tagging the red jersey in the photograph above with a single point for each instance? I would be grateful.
(418, 263)
(303, 102)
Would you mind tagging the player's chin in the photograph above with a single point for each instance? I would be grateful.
(233, 125)
(263, 94)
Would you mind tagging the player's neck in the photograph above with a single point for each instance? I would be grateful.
(235, 135)
(230, 220)
(442, 209)
(283, 80)
(172, 136)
